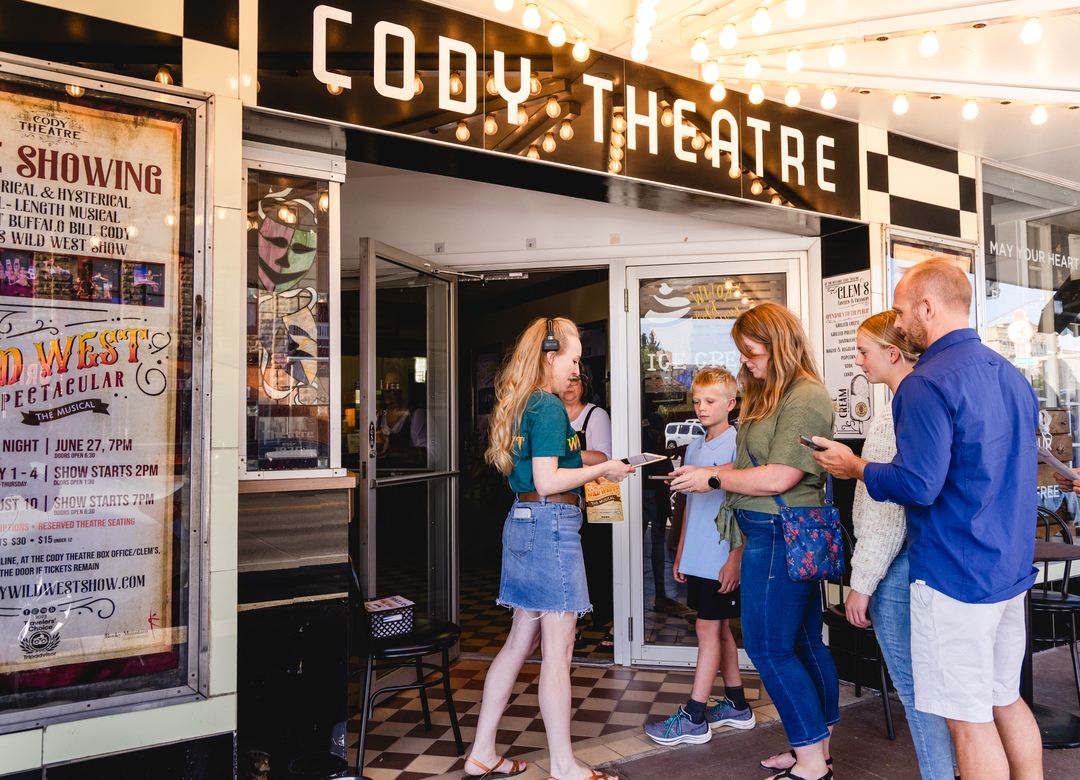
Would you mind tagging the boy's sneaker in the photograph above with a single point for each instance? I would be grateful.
(679, 729)
(723, 713)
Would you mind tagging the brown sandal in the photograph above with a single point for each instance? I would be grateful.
(516, 768)
(594, 776)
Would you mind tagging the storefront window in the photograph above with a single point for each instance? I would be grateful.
(1032, 253)
(288, 323)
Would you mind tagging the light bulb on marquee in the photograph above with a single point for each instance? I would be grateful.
(557, 34)
(490, 85)
(74, 90)
(618, 140)
(729, 36)
(794, 61)
(553, 108)
(618, 123)
(776, 201)
(718, 92)
(792, 97)
(667, 117)
(614, 166)
(534, 84)
(504, 6)
(761, 21)
(900, 105)
(828, 98)
(549, 142)
(642, 34)
(1032, 30)
(581, 49)
(334, 89)
(928, 46)
(795, 8)
(462, 132)
(522, 115)
(757, 186)
(646, 14)
(490, 125)
(710, 72)
(699, 52)
(752, 69)
(708, 151)
(617, 153)
(837, 55)
(971, 109)
(418, 84)
(456, 84)
(1039, 115)
(757, 94)
(698, 141)
(531, 18)
(533, 153)
(566, 131)
(639, 52)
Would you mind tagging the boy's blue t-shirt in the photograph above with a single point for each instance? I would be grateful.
(545, 433)
(703, 552)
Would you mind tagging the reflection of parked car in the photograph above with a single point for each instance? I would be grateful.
(275, 454)
(682, 433)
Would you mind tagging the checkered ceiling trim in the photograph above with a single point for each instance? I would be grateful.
(918, 185)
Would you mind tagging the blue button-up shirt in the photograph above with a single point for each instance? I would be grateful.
(965, 469)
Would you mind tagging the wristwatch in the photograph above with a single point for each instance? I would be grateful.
(714, 480)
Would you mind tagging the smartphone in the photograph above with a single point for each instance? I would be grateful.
(663, 478)
(806, 440)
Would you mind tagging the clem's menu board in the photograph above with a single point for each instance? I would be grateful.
(91, 377)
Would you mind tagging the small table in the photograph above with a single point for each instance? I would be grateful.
(1059, 729)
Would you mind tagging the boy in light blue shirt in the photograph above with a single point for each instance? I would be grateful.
(711, 571)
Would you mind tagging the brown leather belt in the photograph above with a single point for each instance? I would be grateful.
(558, 498)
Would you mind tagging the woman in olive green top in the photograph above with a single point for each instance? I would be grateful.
(783, 399)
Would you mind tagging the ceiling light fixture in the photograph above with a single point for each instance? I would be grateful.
(828, 99)
(752, 69)
(900, 105)
(1032, 30)
(699, 52)
(504, 6)
(761, 22)
(1038, 116)
(971, 109)
(757, 94)
(549, 142)
(728, 36)
(456, 84)
(642, 34)
(794, 61)
(490, 125)
(795, 8)
(639, 52)
(928, 46)
(462, 132)
(566, 132)
(792, 97)
(531, 17)
(710, 72)
(837, 55)
(533, 153)
(553, 108)
(557, 34)
(667, 117)
(646, 14)
(718, 91)
(418, 84)
(581, 49)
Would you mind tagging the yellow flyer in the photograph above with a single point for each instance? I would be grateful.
(603, 502)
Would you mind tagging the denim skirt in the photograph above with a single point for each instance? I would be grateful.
(543, 569)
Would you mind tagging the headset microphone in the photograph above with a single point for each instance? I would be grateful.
(550, 343)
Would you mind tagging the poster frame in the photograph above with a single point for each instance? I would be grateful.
(96, 699)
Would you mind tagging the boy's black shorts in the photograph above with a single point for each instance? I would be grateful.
(704, 596)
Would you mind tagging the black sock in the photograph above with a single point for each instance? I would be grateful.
(736, 697)
(696, 710)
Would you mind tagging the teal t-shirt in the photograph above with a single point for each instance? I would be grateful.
(545, 433)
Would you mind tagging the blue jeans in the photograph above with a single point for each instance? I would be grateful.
(890, 612)
(781, 625)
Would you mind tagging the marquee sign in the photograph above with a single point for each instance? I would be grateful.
(421, 70)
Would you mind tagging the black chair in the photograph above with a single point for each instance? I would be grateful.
(428, 636)
(1043, 597)
(834, 617)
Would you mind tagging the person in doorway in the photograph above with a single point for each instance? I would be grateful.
(879, 565)
(656, 508)
(710, 568)
(402, 433)
(783, 398)
(543, 571)
(594, 433)
(965, 469)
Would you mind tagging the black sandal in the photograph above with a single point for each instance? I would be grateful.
(580, 642)
(763, 765)
(608, 640)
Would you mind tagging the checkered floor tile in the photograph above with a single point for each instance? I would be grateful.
(609, 706)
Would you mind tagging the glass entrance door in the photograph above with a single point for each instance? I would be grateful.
(679, 322)
(400, 411)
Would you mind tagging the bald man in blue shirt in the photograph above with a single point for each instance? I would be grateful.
(965, 470)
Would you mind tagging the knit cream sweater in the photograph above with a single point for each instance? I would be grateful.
(880, 527)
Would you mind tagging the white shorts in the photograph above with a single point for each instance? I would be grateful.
(965, 658)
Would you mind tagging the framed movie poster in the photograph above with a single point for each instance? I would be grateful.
(100, 361)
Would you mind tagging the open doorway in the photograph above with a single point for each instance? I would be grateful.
(491, 314)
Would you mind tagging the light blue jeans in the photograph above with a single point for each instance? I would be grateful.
(890, 612)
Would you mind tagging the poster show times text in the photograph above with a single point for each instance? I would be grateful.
(89, 272)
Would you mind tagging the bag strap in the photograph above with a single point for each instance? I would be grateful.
(585, 424)
(828, 485)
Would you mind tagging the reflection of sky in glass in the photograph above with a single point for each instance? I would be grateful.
(698, 342)
(1011, 298)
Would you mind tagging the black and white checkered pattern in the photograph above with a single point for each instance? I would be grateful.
(916, 184)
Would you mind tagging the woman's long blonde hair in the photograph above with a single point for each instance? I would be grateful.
(524, 371)
(881, 328)
(790, 356)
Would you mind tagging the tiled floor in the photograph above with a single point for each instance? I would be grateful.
(609, 706)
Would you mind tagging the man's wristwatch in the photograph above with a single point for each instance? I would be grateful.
(714, 480)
